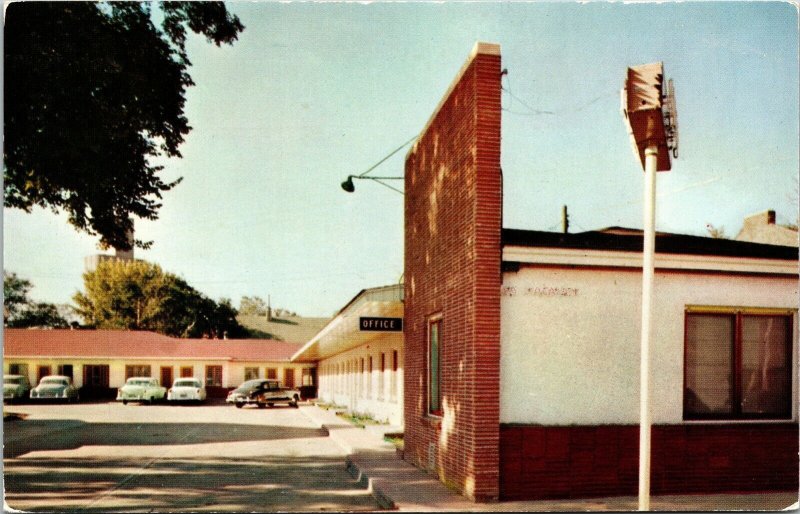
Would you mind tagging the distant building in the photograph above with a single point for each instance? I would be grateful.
(91, 262)
(99, 361)
(761, 228)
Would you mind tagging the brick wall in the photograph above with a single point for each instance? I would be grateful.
(541, 462)
(453, 218)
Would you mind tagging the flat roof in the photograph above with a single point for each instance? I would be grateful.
(632, 240)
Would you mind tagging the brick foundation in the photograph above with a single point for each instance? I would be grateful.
(539, 462)
(453, 211)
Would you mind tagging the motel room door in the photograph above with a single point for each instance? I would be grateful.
(95, 382)
(166, 376)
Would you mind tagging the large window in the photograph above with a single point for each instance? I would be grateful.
(272, 373)
(435, 367)
(250, 373)
(737, 365)
(137, 370)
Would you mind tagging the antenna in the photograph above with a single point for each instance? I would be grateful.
(670, 111)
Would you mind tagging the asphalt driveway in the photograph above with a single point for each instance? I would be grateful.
(108, 457)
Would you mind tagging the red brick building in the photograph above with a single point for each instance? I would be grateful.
(521, 347)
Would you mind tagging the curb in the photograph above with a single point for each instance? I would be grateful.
(384, 501)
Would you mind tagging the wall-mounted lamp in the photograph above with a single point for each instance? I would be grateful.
(348, 185)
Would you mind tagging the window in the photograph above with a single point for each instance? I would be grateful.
(66, 370)
(272, 373)
(136, 370)
(42, 372)
(187, 371)
(288, 377)
(214, 376)
(307, 379)
(18, 369)
(434, 367)
(250, 373)
(393, 383)
(737, 365)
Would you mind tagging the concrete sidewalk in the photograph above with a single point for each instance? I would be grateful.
(396, 484)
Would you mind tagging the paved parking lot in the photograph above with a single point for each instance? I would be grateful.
(105, 456)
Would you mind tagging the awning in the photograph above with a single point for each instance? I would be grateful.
(343, 333)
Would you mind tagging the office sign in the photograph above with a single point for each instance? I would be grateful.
(371, 324)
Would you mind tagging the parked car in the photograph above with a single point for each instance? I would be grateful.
(187, 389)
(141, 389)
(263, 393)
(55, 387)
(15, 387)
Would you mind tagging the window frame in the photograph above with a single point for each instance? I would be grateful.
(215, 367)
(432, 321)
(738, 315)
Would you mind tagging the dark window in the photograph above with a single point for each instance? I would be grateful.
(43, 371)
(95, 375)
(166, 376)
(214, 376)
(272, 373)
(737, 366)
(250, 373)
(66, 370)
(137, 371)
(187, 371)
(18, 369)
(434, 367)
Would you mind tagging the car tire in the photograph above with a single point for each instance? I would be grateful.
(261, 405)
(271, 404)
(124, 402)
(239, 405)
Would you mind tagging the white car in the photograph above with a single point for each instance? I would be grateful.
(187, 389)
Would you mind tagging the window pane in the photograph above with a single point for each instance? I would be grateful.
(765, 365)
(709, 364)
(434, 368)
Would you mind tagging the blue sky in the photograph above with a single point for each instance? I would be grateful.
(314, 92)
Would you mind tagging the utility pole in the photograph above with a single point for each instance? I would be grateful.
(564, 220)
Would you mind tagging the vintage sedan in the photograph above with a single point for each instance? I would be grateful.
(141, 389)
(263, 393)
(15, 387)
(55, 387)
(187, 389)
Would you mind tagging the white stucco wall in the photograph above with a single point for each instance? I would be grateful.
(362, 394)
(570, 340)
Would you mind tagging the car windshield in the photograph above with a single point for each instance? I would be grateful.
(186, 383)
(12, 380)
(250, 384)
(54, 381)
(138, 381)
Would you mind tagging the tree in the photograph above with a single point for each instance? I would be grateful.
(252, 306)
(138, 295)
(20, 311)
(93, 93)
(716, 232)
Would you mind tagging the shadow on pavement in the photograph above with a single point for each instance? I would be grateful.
(214, 484)
(21, 437)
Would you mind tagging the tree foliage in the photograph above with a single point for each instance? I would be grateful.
(94, 92)
(252, 306)
(20, 311)
(137, 295)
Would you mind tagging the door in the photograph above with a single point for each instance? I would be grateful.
(166, 376)
(42, 372)
(95, 382)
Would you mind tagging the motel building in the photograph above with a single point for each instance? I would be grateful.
(521, 358)
(100, 361)
(359, 355)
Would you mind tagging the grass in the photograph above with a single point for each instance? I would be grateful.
(395, 439)
(357, 419)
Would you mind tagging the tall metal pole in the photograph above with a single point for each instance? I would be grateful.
(648, 272)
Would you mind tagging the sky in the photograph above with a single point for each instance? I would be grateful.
(314, 92)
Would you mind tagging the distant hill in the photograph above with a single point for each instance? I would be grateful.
(292, 329)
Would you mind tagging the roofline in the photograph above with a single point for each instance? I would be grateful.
(665, 243)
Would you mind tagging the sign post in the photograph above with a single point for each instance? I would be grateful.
(651, 122)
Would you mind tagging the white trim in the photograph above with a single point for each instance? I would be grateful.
(606, 258)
